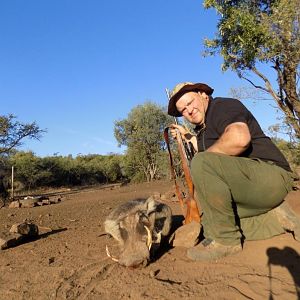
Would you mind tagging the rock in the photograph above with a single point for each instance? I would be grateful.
(163, 198)
(19, 233)
(43, 230)
(28, 229)
(46, 202)
(156, 195)
(10, 240)
(14, 204)
(187, 235)
(168, 195)
(54, 200)
(152, 274)
(29, 202)
(51, 260)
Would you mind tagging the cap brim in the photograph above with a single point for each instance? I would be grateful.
(172, 109)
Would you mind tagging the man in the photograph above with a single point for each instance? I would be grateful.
(240, 176)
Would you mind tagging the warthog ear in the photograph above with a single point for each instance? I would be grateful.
(151, 205)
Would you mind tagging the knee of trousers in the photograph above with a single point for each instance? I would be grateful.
(203, 161)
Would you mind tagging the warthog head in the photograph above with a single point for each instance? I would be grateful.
(135, 225)
(135, 231)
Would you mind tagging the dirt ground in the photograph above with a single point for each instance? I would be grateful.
(71, 263)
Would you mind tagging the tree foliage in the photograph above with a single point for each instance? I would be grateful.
(252, 33)
(13, 132)
(291, 151)
(142, 133)
(33, 172)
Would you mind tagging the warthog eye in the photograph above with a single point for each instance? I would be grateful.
(124, 234)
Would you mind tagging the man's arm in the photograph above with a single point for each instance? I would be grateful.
(235, 140)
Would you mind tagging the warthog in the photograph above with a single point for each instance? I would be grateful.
(138, 226)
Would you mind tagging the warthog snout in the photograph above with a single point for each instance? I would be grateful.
(136, 225)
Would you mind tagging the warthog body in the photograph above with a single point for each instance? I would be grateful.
(135, 223)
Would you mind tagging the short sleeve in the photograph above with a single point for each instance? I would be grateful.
(227, 112)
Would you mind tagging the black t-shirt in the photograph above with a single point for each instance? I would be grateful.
(223, 111)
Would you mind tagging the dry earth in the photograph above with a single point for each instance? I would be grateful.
(70, 262)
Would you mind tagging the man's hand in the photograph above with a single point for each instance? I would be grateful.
(185, 134)
(177, 128)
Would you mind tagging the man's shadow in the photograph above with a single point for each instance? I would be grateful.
(288, 258)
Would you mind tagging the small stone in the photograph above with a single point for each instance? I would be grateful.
(51, 260)
(55, 200)
(163, 198)
(44, 230)
(46, 202)
(29, 202)
(14, 204)
(152, 274)
(28, 229)
(3, 244)
(156, 195)
(168, 195)
(10, 240)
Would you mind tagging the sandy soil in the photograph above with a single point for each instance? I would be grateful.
(71, 263)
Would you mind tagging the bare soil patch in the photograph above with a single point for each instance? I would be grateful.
(71, 263)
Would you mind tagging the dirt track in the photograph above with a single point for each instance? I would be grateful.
(70, 263)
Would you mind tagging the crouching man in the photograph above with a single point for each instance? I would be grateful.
(240, 176)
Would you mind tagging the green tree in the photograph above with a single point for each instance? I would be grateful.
(142, 133)
(291, 151)
(253, 33)
(111, 167)
(13, 132)
(27, 169)
(4, 171)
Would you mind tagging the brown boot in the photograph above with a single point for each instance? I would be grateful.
(288, 219)
(209, 249)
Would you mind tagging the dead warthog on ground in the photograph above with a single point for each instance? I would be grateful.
(139, 226)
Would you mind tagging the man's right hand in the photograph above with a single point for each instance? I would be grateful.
(175, 128)
(185, 134)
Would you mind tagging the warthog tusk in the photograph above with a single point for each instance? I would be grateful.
(149, 237)
(110, 256)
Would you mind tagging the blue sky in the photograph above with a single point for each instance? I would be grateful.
(76, 66)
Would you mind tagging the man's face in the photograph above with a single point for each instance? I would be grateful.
(192, 106)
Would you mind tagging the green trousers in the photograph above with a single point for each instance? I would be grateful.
(237, 195)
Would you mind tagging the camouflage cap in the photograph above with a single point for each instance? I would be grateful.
(182, 88)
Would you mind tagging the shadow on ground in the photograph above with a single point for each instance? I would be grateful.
(288, 258)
